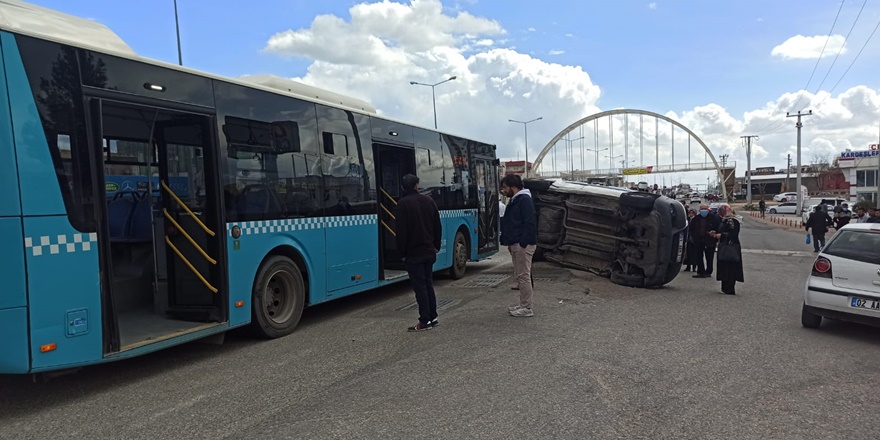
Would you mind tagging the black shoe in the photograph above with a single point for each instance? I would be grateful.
(420, 327)
(701, 275)
(687, 269)
(434, 322)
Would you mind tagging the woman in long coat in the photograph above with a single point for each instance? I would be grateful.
(690, 251)
(729, 270)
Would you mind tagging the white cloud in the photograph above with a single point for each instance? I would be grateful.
(569, 35)
(801, 47)
(652, 5)
(531, 29)
(557, 52)
(760, 19)
(374, 55)
(385, 45)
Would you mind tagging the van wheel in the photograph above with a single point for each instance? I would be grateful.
(808, 319)
(627, 280)
(459, 256)
(278, 298)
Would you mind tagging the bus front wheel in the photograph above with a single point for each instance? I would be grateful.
(459, 256)
(278, 298)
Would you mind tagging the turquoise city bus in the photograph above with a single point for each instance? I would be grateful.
(148, 204)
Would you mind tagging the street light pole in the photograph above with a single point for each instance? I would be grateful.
(526, 134)
(177, 26)
(597, 154)
(433, 95)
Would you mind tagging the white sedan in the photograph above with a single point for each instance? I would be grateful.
(845, 280)
(783, 208)
(785, 197)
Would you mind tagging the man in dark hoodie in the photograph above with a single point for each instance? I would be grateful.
(519, 232)
(819, 222)
(418, 232)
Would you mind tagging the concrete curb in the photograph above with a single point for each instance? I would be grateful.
(781, 221)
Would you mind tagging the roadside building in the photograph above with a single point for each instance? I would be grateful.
(860, 170)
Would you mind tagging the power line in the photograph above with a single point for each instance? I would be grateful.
(777, 125)
(830, 32)
(839, 51)
(851, 64)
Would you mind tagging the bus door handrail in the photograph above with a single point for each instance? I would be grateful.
(188, 237)
(387, 211)
(183, 205)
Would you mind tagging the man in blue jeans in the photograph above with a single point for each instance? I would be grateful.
(418, 232)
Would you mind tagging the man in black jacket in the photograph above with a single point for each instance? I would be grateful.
(519, 232)
(702, 227)
(418, 232)
(819, 222)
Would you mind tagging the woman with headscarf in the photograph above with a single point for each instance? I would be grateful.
(690, 250)
(730, 267)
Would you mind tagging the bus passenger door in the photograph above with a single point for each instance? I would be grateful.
(487, 215)
(392, 163)
(188, 232)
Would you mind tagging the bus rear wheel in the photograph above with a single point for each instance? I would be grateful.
(459, 256)
(278, 298)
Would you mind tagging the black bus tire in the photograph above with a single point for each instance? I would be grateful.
(459, 256)
(638, 200)
(278, 298)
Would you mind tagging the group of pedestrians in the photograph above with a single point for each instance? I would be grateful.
(418, 232)
(710, 234)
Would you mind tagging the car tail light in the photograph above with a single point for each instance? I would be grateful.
(822, 268)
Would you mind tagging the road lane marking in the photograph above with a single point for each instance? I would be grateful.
(780, 253)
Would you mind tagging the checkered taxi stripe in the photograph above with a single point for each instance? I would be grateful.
(453, 213)
(57, 244)
(301, 224)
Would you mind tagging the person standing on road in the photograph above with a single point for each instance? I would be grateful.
(762, 206)
(519, 232)
(819, 222)
(730, 266)
(873, 216)
(842, 216)
(690, 251)
(703, 228)
(418, 232)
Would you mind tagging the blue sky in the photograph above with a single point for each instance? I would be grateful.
(707, 64)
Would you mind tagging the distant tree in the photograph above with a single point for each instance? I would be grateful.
(825, 170)
(762, 188)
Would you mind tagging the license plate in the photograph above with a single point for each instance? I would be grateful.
(862, 303)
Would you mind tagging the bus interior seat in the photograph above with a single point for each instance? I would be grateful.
(299, 204)
(257, 199)
(119, 213)
(141, 221)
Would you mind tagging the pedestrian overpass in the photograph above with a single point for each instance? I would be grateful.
(628, 144)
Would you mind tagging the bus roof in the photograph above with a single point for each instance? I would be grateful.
(29, 19)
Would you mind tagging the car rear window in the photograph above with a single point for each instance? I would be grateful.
(856, 245)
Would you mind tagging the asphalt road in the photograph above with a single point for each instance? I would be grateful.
(598, 361)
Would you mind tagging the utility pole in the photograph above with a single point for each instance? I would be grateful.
(723, 158)
(788, 174)
(800, 195)
(177, 27)
(749, 167)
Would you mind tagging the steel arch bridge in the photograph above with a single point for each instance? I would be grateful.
(619, 124)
